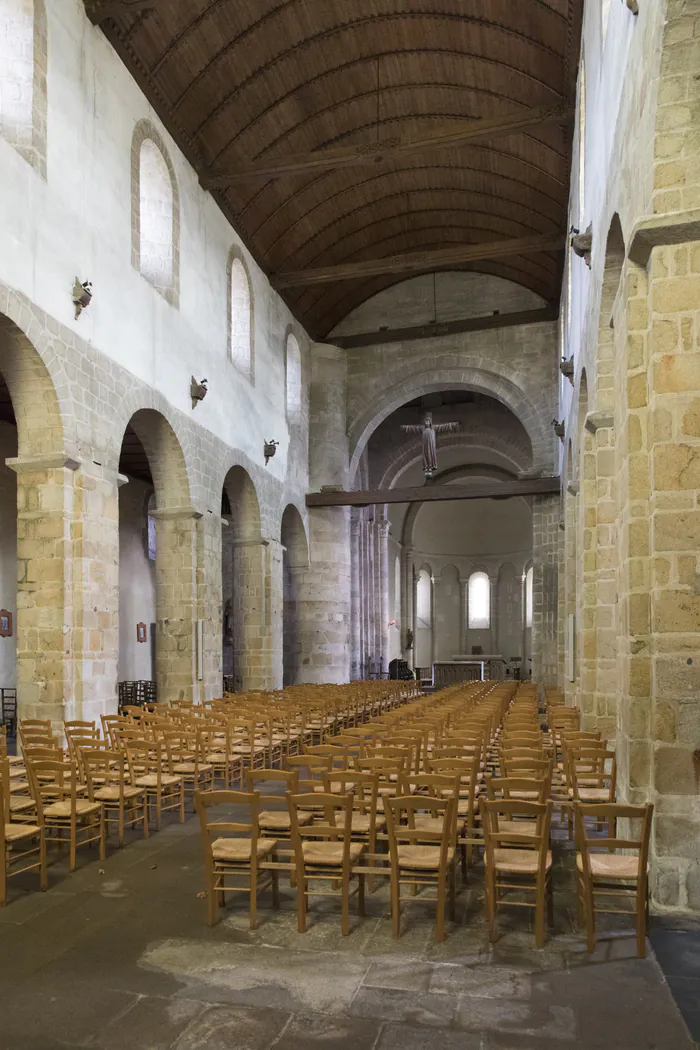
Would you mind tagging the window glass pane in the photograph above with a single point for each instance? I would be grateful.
(479, 601)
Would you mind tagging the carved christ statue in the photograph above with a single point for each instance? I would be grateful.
(429, 430)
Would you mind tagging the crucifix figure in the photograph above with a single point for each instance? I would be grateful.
(428, 429)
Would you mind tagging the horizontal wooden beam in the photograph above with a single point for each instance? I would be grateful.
(433, 331)
(431, 493)
(372, 154)
(99, 11)
(421, 262)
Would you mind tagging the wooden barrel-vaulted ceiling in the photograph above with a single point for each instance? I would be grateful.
(343, 132)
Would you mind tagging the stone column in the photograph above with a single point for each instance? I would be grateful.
(324, 604)
(383, 560)
(210, 606)
(433, 620)
(371, 594)
(493, 612)
(177, 544)
(545, 558)
(602, 574)
(356, 595)
(407, 601)
(571, 659)
(273, 638)
(67, 588)
(254, 654)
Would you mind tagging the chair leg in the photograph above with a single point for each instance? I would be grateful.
(453, 892)
(253, 900)
(3, 878)
(182, 802)
(43, 874)
(440, 919)
(395, 905)
(541, 893)
(145, 815)
(73, 845)
(345, 904)
(492, 917)
(275, 890)
(103, 843)
(121, 825)
(212, 907)
(301, 902)
(642, 914)
(590, 917)
(361, 895)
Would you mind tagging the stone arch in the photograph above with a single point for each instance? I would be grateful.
(24, 50)
(244, 503)
(493, 384)
(408, 457)
(295, 561)
(145, 132)
(165, 456)
(40, 423)
(240, 314)
(470, 471)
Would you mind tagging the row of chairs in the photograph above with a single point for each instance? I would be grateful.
(476, 770)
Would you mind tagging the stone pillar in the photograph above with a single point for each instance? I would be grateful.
(273, 638)
(371, 594)
(356, 595)
(377, 592)
(209, 607)
(433, 621)
(177, 545)
(602, 573)
(255, 656)
(383, 561)
(571, 659)
(324, 604)
(67, 588)
(493, 612)
(407, 602)
(545, 548)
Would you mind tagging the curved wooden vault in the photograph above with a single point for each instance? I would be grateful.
(339, 132)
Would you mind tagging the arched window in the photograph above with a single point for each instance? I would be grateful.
(156, 213)
(423, 600)
(293, 369)
(240, 317)
(479, 601)
(528, 597)
(23, 49)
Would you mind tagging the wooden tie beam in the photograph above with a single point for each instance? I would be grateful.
(442, 328)
(422, 262)
(433, 493)
(372, 154)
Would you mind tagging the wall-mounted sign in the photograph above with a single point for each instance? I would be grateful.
(141, 632)
(5, 623)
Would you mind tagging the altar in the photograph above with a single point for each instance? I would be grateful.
(485, 666)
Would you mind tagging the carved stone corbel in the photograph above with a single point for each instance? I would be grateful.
(582, 244)
(633, 6)
(566, 367)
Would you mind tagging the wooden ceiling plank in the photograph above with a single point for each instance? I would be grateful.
(419, 262)
(389, 149)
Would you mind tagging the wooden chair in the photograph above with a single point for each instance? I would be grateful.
(325, 851)
(60, 808)
(235, 850)
(592, 774)
(471, 835)
(187, 756)
(149, 768)
(517, 861)
(518, 788)
(275, 822)
(609, 874)
(18, 842)
(108, 782)
(367, 823)
(422, 852)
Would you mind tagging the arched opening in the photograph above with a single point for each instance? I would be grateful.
(23, 56)
(424, 622)
(156, 213)
(156, 598)
(240, 316)
(295, 560)
(243, 564)
(31, 425)
(448, 614)
(293, 374)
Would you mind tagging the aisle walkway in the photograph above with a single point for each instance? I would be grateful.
(119, 956)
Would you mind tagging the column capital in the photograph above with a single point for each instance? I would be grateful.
(35, 464)
(175, 513)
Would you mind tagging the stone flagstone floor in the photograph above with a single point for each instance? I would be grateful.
(118, 956)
